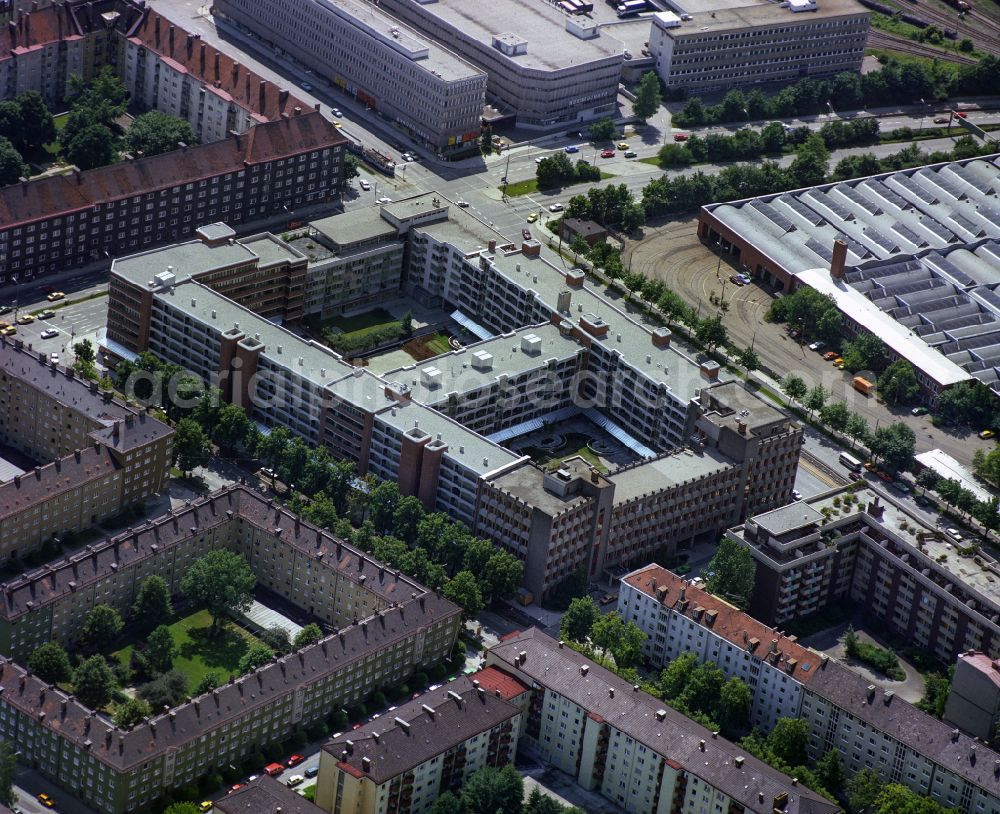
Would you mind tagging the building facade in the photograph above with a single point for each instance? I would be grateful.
(870, 728)
(852, 546)
(433, 744)
(616, 740)
(95, 456)
(430, 92)
(758, 43)
(62, 221)
(385, 627)
(973, 703)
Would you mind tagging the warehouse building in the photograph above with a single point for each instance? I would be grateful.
(909, 256)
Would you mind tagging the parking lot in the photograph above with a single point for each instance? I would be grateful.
(672, 252)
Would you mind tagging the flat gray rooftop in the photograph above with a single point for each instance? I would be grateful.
(271, 250)
(183, 259)
(527, 484)
(456, 372)
(550, 46)
(354, 227)
(788, 518)
(747, 407)
(667, 472)
(716, 14)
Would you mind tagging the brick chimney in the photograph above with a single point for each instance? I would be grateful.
(837, 261)
(662, 337)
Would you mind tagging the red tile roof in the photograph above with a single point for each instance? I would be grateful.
(990, 668)
(48, 197)
(726, 621)
(213, 67)
(493, 679)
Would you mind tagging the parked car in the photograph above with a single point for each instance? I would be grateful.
(25, 319)
(735, 278)
(205, 805)
(572, 148)
(830, 355)
(5, 309)
(631, 154)
(46, 800)
(384, 200)
(984, 434)
(954, 533)
(54, 358)
(746, 278)
(305, 86)
(274, 769)
(234, 787)
(680, 137)
(918, 411)
(838, 361)
(607, 154)
(461, 203)
(364, 185)
(622, 145)
(941, 120)
(312, 771)
(48, 333)
(607, 599)
(532, 217)
(45, 315)
(336, 112)
(817, 345)
(796, 494)
(294, 780)
(961, 114)
(556, 207)
(55, 296)
(294, 760)
(526, 234)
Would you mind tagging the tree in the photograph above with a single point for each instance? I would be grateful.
(160, 648)
(811, 163)
(166, 690)
(623, 639)
(862, 790)
(794, 386)
(102, 625)
(93, 682)
(731, 573)
(633, 216)
(966, 403)
(447, 803)
(734, 704)
(830, 772)
(578, 619)
(94, 146)
(490, 790)
(405, 520)
(156, 132)
(463, 590)
(183, 808)
(11, 124)
(130, 712)
(816, 398)
(310, 634)
(648, 97)
(711, 332)
(84, 354)
(406, 323)
(152, 603)
(675, 676)
(602, 130)
(222, 582)
(788, 741)
(105, 97)
(257, 655)
(277, 638)
(500, 576)
(835, 415)
(748, 360)
(50, 663)
(382, 503)
(231, 427)
(37, 126)
(865, 352)
(208, 682)
(857, 428)
(192, 447)
(896, 798)
(895, 445)
(692, 114)
(539, 803)
(8, 767)
(12, 166)
(898, 383)
(351, 167)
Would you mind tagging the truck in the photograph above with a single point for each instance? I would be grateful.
(628, 8)
(862, 385)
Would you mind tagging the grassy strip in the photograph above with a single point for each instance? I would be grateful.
(531, 185)
(893, 25)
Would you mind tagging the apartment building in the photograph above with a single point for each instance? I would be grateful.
(265, 795)
(385, 627)
(973, 703)
(679, 618)
(545, 69)
(744, 455)
(413, 81)
(853, 546)
(622, 743)
(168, 69)
(871, 728)
(95, 456)
(61, 221)
(430, 745)
(709, 45)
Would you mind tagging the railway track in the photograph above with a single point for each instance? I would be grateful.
(881, 39)
(969, 26)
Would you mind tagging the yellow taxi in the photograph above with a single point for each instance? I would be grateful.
(55, 295)
(622, 145)
(205, 805)
(46, 801)
(25, 319)
(532, 217)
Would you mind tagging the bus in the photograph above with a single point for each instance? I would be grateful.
(628, 8)
(850, 461)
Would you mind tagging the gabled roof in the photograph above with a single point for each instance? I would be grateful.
(61, 194)
(265, 795)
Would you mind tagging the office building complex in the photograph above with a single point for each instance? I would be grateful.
(545, 68)
(872, 729)
(61, 221)
(616, 740)
(845, 546)
(909, 256)
(552, 348)
(710, 45)
(95, 456)
(403, 761)
(423, 87)
(385, 627)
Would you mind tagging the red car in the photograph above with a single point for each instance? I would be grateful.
(680, 137)
(294, 760)
(235, 787)
(356, 726)
(961, 114)
(526, 234)
(941, 120)
(608, 154)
